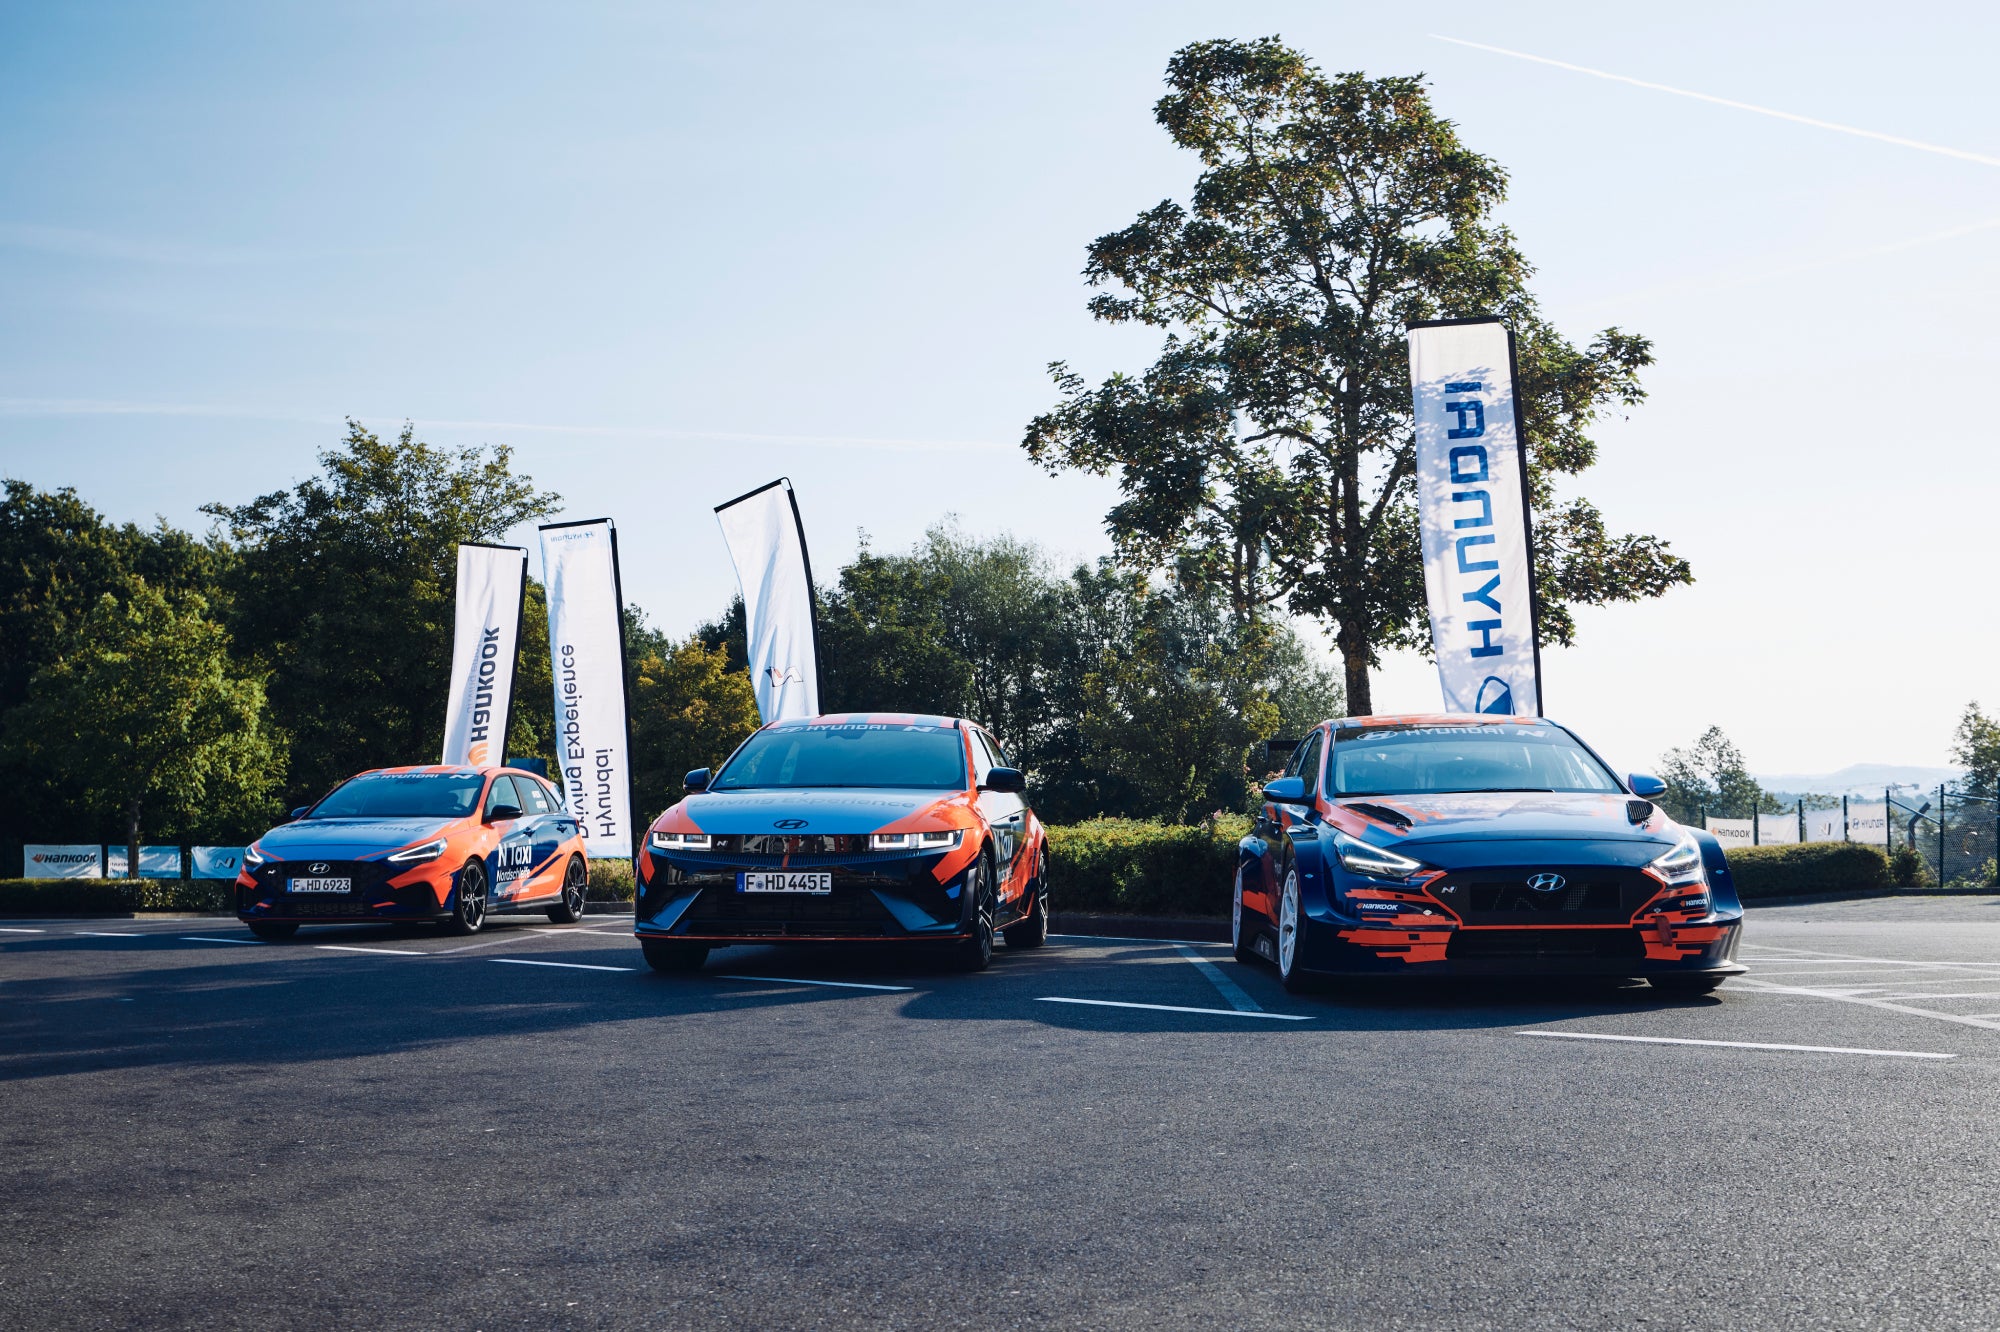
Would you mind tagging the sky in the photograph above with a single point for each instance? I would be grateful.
(668, 252)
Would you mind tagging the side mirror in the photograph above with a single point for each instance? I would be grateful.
(1286, 791)
(501, 813)
(696, 780)
(301, 812)
(1007, 781)
(1646, 786)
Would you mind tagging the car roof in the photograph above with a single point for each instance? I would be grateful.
(871, 719)
(1430, 719)
(465, 768)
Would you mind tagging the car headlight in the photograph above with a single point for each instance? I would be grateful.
(1357, 857)
(254, 855)
(916, 841)
(1680, 867)
(666, 841)
(417, 854)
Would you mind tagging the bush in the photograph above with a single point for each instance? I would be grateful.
(1908, 869)
(61, 897)
(1132, 867)
(610, 881)
(1805, 868)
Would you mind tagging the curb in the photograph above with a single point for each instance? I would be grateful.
(607, 908)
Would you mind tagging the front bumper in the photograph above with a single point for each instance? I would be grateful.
(878, 897)
(380, 892)
(1707, 947)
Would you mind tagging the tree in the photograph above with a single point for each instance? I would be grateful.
(1710, 776)
(345, 591)
(1976, 744)
(147, 705)
(689, 710)
(1268, 452)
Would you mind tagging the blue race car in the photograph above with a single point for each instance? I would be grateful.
(851, 827)
(1457, 845)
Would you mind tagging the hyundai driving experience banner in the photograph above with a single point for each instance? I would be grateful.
(491, 583)
(767, 543)
(587, 657)
(1472, 506)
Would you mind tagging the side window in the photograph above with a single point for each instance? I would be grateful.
(1309, 756)
(502, 792)
(1000, 754)
(554, 797)
(533, 799)
(982, 756)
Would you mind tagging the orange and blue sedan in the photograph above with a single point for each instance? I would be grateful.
(440, 843)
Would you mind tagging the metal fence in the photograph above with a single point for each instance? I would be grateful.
(1956, 834)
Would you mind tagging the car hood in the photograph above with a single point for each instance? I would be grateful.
(346, 839)
(842, 810)
(1434, 827)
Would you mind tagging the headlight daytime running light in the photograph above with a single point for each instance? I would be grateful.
(667, 841)
(1357, 857)
(254, 855)
(1681, 866)
(415, 855)
(942, 840)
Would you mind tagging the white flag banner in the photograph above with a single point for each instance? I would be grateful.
(767, 543)
(1825, 825)
(1777, 829)
(215, 862)
(587, 656)
(1472, 509)
(155, 862)
(1868, 823)
(1732, 832)
(485, 645)
(62, 862)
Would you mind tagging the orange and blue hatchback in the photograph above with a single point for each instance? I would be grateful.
(441, 843)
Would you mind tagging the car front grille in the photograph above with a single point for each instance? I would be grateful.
(1467, 945)
(723, 910)
(1590, 895)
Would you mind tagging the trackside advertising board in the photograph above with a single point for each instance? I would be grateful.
(587, 657)
(155, 862)
(1472, 509)
(62, 862)
(485, 645)
(214, 862)
(767, 543)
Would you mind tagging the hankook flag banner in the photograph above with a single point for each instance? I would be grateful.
(62, 862)
(1472, 507)
(491, 583)
(587, 658)
(767, 543)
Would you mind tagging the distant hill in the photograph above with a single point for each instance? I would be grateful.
(1857, 779)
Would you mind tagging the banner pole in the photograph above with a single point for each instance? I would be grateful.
(1527, 521)
(514, 668)
(625, 687)
(812, 591)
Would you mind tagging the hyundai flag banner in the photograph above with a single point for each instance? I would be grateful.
(587, 656)
(1868, 823)
(1473, 512)
(1776, 829)
(155, 862)
(215, 862)
(62, 862)
(767, 543)
(491, 583)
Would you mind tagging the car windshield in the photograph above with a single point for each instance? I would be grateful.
(848, 754)
(402, 795)
(1417, 760)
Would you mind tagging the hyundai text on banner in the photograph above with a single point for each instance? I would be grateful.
(62, 862)
(215, 862)
(1472, 508)
(1868, 823)
(767, 543)
(491, 583)
(587, 656)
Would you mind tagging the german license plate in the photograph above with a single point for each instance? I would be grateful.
(322, 885)
(784, 881)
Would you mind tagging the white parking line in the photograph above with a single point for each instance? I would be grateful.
(1736, 1045)
(1178, 1008)
(1228, 988)
(837, 985)
(1956, 994)
(571, 966)
(1961, 1019)
(203, 938)
(386, 952)
(4, 930)
(106, 934)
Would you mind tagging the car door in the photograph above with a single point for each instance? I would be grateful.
(1305, 763)
(515, 855)
(1005, 812)
(540, 814)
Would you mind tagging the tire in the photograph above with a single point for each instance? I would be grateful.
(1032, 931)
(468, 910)
(1243, 945)
(976, 953)
(1687, 985)
(670, 956)
(273, 931)
(576, 887)
(1291, 921)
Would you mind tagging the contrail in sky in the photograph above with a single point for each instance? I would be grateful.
(1900, 142)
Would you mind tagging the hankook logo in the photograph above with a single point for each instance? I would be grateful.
(790, 825)
(1547, 883)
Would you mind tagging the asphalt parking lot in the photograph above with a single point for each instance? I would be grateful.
(528, 1129)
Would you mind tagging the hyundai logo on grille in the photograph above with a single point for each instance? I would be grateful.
(1547, 883)
(318, 867)
(789, 824)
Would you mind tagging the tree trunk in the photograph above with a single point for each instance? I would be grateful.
(132, 839)
(1360, 703)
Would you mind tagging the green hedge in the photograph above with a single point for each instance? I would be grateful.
(44, 897)
(1805, 868)
(1130, 867)
(610, 880)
